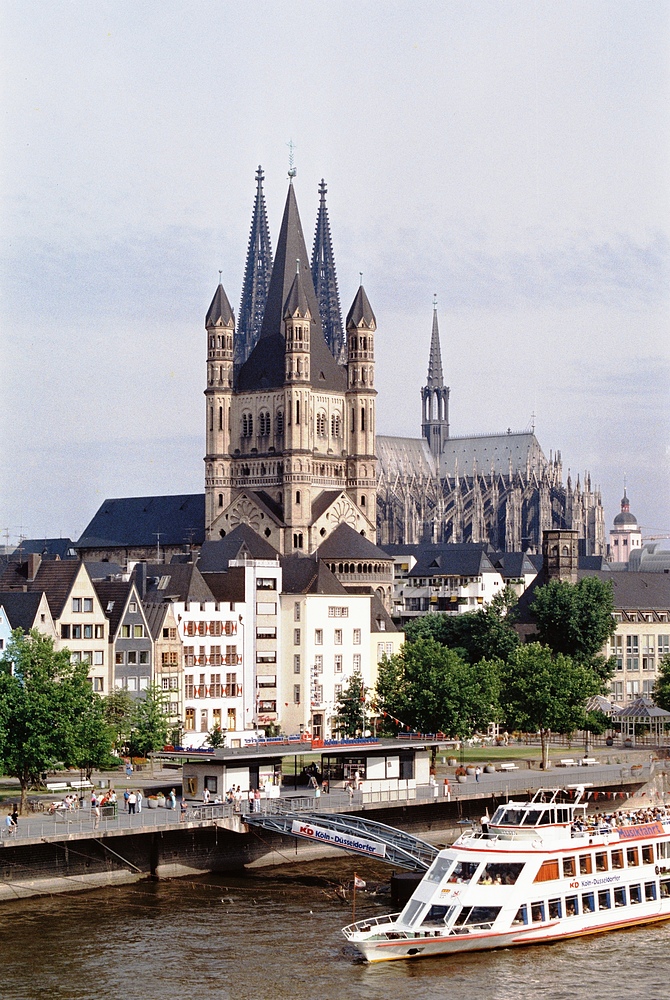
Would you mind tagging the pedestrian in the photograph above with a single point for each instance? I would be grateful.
(447, 790)
(94, 799)
(173, 798)
(96, 813)
(478, 772)
(15, 815)
(132, 802)
(129, 770)
(250, 797)
(183, 811)
(10, 825)
(138, 794)
(126, 799)
(257, 800)
(350, 789)
(205, 796)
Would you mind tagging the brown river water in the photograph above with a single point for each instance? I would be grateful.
(275, 933)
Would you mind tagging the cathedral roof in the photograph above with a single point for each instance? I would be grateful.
(130, 521)
(361, 313)
(265, 367)
(435, 375)
(307, 575)
(400, 456)
(461, 454)
(345, 543)
(296, 301)
(219, 312)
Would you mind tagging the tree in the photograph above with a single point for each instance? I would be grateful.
(39, 698)
(216, 737)
(150, 725)
(432, 689)
(89, 736)
(351, 709)
(118, 707)
(662, 686)
(487, 633)
(576, 619)
(546, 692)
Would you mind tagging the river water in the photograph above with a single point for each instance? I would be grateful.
(275, 933)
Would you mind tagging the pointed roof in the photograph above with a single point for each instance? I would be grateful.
(435, 375)
(256, 278)
(361, 313)
(307, 575)
(345, 542)
(324, 277)
(265, 367)
(296, 303)
(219, 312)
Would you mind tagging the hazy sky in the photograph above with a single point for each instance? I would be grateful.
(511, 157)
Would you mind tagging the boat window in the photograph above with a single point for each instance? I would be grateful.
(547, 817)
(617, 859)
(537, 912)
(498, 815)
(620, 896)
(571, 906)
(511, 817)
(410, 914)
(635, 893)
(585, 864)
(438, 870)
(548, 871)
(588, 902)
(483, 915)
(569, 870)
(463, 871)
(604, 900)
(649, 891)
(665, 888)
(663, 849)
(438, 915)
(555, 909)
(648, 854)
(631, 857)
(531, 818)
(521, 916)
(601, 861)
(500, 874)
(562, 815)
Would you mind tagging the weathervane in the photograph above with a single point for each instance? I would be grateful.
(292, 171)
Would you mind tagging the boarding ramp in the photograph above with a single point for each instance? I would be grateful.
(354, 834)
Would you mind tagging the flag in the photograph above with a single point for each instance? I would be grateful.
(359, 883)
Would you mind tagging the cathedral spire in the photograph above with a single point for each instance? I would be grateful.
(435, 375)
(325, 280)
(256, 278)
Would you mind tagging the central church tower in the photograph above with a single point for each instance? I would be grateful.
(291, 433)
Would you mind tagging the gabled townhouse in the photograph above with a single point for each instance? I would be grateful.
(78, 616)
(168, 660)
(130, 640)
(20, 609)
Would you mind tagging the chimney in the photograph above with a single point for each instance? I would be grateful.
(141, 579)
(34, 562)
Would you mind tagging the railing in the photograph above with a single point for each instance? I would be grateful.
(367, 925)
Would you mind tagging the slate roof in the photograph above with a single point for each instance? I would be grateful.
(102, 570)
(460, 454)
(513, 565)
(175, 582)
(321, 504)
(55, 577)
(399, 456)
(632, 591)
(48, 548)
(155, 613)
(21, 608)
(219, 311)
(243, 540)
(378, 613)
(129, 521)
(265, 366)
(113, 596)
(230, 586)
(306, 575)
(452, 561)
(361, 311)
(345, 543)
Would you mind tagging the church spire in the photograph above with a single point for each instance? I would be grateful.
(256, 278)
(435, 395)
(325, 280)
(435, 376)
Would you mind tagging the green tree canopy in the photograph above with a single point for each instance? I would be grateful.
(546, 692)
(43, 700)
(662, 686)
(118, 707)
(352, 708)
(432, 689)
(576, 620)
(476, 635)
(150, 724)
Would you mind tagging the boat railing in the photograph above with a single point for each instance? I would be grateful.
(398, 933)
(367, 925)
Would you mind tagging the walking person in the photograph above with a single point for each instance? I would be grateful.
(10, 825)
(15, 815)
(126, 799)
(183, 811)
(138, 795)
(205, 796)
(132, 802)
(95, 810)
(173, 798)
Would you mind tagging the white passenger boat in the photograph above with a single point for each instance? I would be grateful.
(537, 872)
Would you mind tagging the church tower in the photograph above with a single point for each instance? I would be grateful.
(325, 281)
(256, 278)
(435, 396)
(220, 326)
(362, 463)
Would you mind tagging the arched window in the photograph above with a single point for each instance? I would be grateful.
(362, 418)
(264, 424)
(220, 418)
(247, 425)
(321, 424)
(297, 496)
(336, 425)
(220, 499)
(362, 500)
(280, 423)
(297, 411)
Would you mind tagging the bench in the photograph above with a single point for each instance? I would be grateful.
(567, 762)
(81, 784)
(57, 786)
(588, 761)
(509, 767)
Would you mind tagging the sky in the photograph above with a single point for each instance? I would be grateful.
(509, 157)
